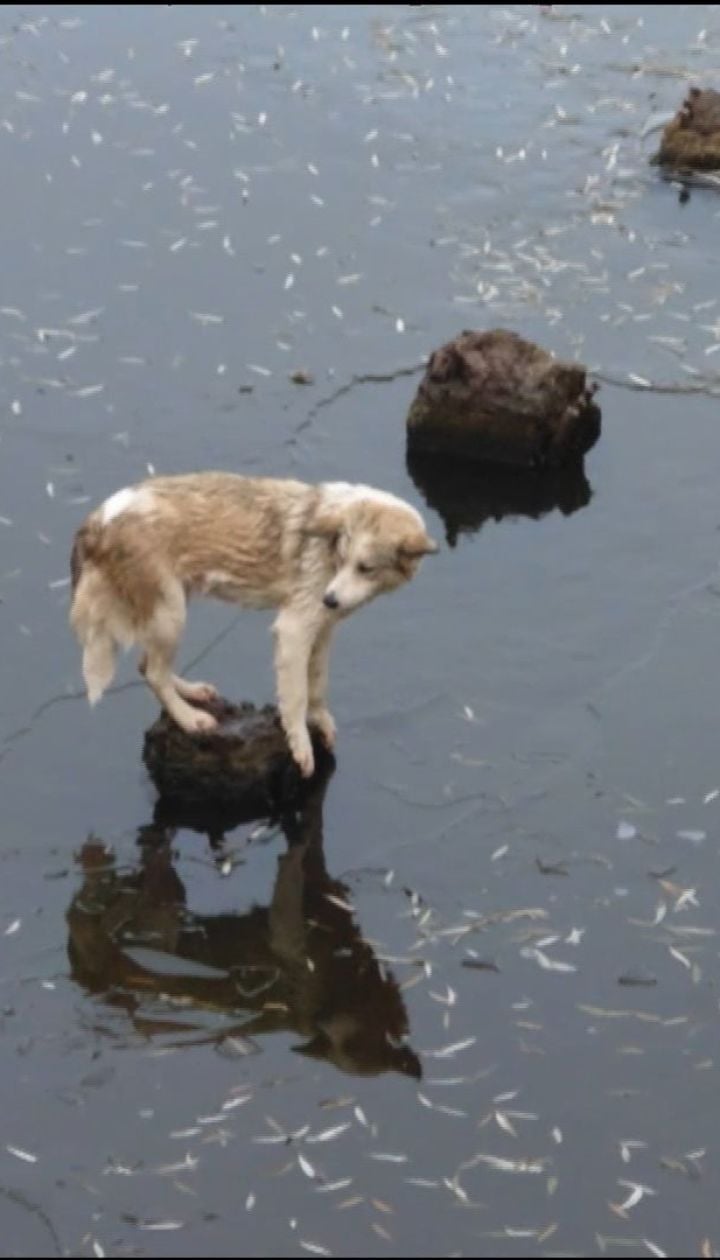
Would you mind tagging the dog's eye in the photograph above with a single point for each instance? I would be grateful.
(365, 569)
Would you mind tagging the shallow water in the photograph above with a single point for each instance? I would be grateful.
(509, 883)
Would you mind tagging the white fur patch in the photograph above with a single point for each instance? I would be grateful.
(129, 499)
(342, 493)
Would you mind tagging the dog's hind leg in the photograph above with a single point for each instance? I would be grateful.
(295, 632)
(318, 713)
(159, 638)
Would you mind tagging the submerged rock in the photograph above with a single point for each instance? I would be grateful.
(245, 765)
(494, 397)
(691, 141)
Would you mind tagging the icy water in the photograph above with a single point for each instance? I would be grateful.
(473, 1009)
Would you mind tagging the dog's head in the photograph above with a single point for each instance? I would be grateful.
(377, 543)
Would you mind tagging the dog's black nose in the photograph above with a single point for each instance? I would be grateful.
(330, 600)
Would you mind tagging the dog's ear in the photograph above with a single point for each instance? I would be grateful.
(327, 523)
(417, 545)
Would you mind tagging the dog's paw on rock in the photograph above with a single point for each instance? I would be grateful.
(200, 723)
(197, 692)
(302, 751)
(323, 722)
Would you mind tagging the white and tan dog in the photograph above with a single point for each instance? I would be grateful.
(315, 552)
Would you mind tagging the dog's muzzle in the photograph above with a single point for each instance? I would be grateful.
(331, 601)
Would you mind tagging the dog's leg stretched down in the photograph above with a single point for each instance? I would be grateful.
(159, 638)
(295, 632)
(318, 713)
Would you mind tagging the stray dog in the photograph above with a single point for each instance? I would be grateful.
(314, 552)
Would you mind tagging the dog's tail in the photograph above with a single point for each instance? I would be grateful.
(94, 612)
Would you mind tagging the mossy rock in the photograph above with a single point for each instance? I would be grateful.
(496, 398)
(244, 766)
(691, 141)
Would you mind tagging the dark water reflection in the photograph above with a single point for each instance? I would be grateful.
(298, 965)
(467, 495)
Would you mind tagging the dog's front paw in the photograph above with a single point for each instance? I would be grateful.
(201, 723)
(301, 749)
(197, 692)
(324, 723)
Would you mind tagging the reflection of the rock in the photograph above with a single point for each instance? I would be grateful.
(467, 494)
(299, 965)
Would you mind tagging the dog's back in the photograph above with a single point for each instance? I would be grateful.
(147, 548)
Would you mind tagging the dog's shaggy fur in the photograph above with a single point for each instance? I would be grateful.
(314, 552)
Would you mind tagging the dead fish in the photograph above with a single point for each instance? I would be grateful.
(547, 964)
(626, 831)
(633, 979)
(504, 1123)
(206, 317)
(448, 1052)
(161, 1226)
(333, 1186)
(551, 868)
(307, 1167)
(653, 1248)
(532, 1166)
(328, 1135)
(637, 1193)
(25, 1156)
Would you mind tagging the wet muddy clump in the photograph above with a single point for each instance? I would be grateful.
(496, 398)
(691, 141)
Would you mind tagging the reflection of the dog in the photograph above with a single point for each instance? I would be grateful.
(466, 495)
(299, 965)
